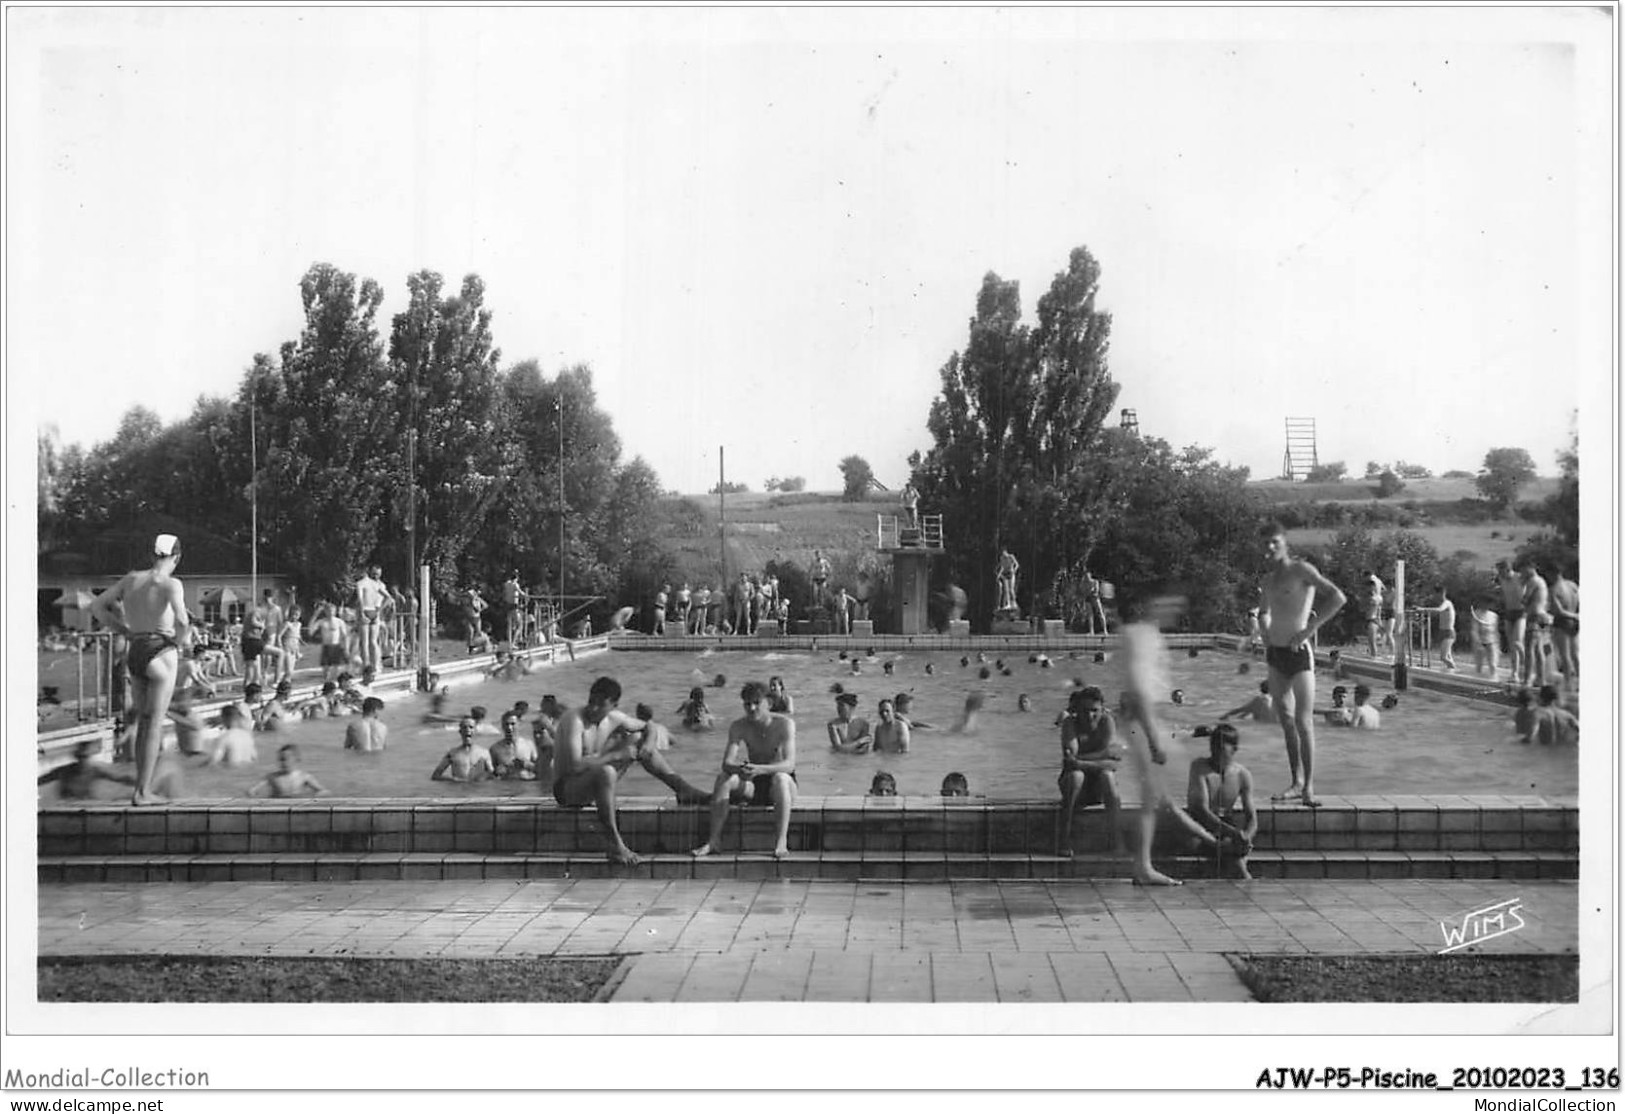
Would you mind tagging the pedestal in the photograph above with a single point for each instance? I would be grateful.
(1054, 628)
(863, 628)
(1012, 626)
(958, 628)
(767, 627)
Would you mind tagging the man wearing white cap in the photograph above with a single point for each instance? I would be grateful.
(149, 609)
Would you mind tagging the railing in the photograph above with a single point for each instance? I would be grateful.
(894, 532)
(97, 675)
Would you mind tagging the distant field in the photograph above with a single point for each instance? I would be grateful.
(1446, 539)
(759, 532)
(1362, 491)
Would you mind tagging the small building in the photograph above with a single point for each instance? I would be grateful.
(69, 579)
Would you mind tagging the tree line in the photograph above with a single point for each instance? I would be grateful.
(351, 428)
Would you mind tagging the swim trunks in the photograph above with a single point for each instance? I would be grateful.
(370, 614)
(1289, 662)
(252, 647)
(762, 789)
(1566, 624)
(1094, 787)
(333, 654)
(146, 646)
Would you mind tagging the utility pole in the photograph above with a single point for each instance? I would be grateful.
(722, 515)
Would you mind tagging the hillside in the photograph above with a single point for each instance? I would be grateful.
(767, 526)
(763, 527)
(1355, 490)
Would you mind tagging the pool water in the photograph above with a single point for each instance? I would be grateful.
(1430, 743)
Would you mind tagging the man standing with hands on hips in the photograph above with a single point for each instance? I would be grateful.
(1290, 619)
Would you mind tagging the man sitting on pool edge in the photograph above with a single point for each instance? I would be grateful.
(758, 767)
(596, 746)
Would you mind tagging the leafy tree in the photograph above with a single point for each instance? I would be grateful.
(1412, 471)
(1564, 507)
(1015, 431)
(729, 487)
(856, 476)
(1389, 484)
(1374, 468)
(444, 358)
(1503, 473)
(327, 417)
(788, 484)
(1329, 473)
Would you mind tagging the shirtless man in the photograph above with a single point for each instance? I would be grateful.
(513, 609)
(1485, 636)
(149, 609)
(1371, 602)
(1218, 786)
(662, 597)
(1565, 602)
(468, 761)
(843, 612)
(332, 633)
(1290, 619)
(288, 780)
(911, 504)
(820, 576)
(369, 732)
(1444, 643)
(848, 735)
(1512, 618)
(891, 733)
(1089, 764)
(77, 780)
(1537, 624)
(1259, 708)
(369, 601)
(685, 599)
(758, 765)
(597, 745)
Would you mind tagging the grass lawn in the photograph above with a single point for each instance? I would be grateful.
(274, 979)
(1449, 540)
(1411, 978)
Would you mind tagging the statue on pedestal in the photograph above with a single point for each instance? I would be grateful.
(1006, 580)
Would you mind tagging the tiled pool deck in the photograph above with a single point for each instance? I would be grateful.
(775, 940)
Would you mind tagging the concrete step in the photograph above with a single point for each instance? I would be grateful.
(838, 865)
(834, 824)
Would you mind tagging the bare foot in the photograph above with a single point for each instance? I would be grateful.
(1152, 877)
(1291, 791)
(1310, 801)
(143, 800)
(1243, 875)
(781, 852)
(701, 851)
(625, 856)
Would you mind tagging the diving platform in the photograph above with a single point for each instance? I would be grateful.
(896, 535)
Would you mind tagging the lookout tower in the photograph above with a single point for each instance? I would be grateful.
(1302, 453)
(1129, 422)
(910, 546)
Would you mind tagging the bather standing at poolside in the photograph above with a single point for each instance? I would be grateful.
(1290, 620)
(149, 609)
(590, 761)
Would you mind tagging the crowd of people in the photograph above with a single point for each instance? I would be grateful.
(583, 753)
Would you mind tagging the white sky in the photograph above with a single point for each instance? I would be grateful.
(766, 229)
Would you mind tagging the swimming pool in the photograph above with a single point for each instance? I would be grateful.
(1431, 743)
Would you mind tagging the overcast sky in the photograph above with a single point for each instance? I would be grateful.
(766, 229)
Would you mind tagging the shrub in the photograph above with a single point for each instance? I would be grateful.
(1330, 473)
(1389, 484)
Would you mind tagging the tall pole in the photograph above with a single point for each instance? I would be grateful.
(421, 637)
(253, 495)
(559, 408)
(722, 515)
